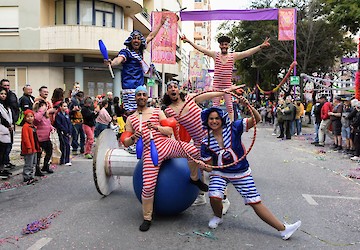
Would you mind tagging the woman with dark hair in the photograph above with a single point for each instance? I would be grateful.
(56, 99)
(58, 96)
(6, 131)
(223, 146)
(103, 119)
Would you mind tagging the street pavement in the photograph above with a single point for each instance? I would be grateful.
(295, 179)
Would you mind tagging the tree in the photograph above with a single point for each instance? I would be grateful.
(345, 14)
(319, 44)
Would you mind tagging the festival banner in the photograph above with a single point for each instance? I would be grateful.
(195, 65)
(201, 81)
(286, 24)
(164, 43)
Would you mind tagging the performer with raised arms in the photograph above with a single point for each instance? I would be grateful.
(134, 67)
(224, 63)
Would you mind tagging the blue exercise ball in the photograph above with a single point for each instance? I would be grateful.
(173, 193)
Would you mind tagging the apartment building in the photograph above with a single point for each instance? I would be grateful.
(55, 42)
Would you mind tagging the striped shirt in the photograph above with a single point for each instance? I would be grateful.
(232, 151)
(223, 72)
(191, 121)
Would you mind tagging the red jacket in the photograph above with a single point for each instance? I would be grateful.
(326, 108)
(28, 145)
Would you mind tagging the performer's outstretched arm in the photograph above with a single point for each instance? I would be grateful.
(249, 52)
(199, 48)
(156, 30)
(210, 95)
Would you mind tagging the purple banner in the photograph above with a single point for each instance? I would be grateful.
(246, 15)
(349, 60)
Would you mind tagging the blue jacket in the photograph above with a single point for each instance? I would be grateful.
(63, 123)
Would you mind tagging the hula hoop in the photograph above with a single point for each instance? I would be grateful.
(252, 116)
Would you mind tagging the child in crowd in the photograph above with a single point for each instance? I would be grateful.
(103, 119)
(114, 125)
(29, 146)
(223, 146)
(64, 129)
(89, 116)
(44, 128)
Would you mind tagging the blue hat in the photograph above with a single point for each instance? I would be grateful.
(131, 37)
(223, 114)
(141, 88)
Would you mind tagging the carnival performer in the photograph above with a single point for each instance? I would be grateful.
(224, 64)
(223, 146)
(134, 66)
(167, 148)
(190, 119)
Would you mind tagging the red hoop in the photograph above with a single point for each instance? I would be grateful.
(252, 115)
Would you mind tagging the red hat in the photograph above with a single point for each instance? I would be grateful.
(28, 111)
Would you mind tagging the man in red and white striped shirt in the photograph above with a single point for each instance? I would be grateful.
(224, 63)
(141, 123)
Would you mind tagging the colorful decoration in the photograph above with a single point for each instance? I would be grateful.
(287, 24)
(280, 84)
(357, 85)
(164, 44)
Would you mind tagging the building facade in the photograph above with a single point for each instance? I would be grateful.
(55, 42)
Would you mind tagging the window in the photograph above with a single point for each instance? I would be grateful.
(89, 12)
(86, 12)
(104, 14)
(59, 12)
(9, 21)
(71, 12)
(17, 78)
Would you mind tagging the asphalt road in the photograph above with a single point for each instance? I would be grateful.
(295, 181)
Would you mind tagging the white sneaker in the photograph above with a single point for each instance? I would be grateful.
(289, 230)
(215, 222)
(273, 134)
(226, 205)
(200, 200)
(68, 164)
(355, 158)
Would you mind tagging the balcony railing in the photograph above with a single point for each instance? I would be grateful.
(146, 15)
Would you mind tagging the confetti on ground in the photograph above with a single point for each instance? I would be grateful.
(321, 158)
(39, 225)
(207, 234)
(354, 173)
(32, 228)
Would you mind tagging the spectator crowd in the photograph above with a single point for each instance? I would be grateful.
(75, 119)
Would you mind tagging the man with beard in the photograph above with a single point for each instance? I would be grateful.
(190, 119)
(224, 64)
(167, 148)
(134, 67)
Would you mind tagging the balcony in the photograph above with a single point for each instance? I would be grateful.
(142, 22)
(81, 39)
(131, 7)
